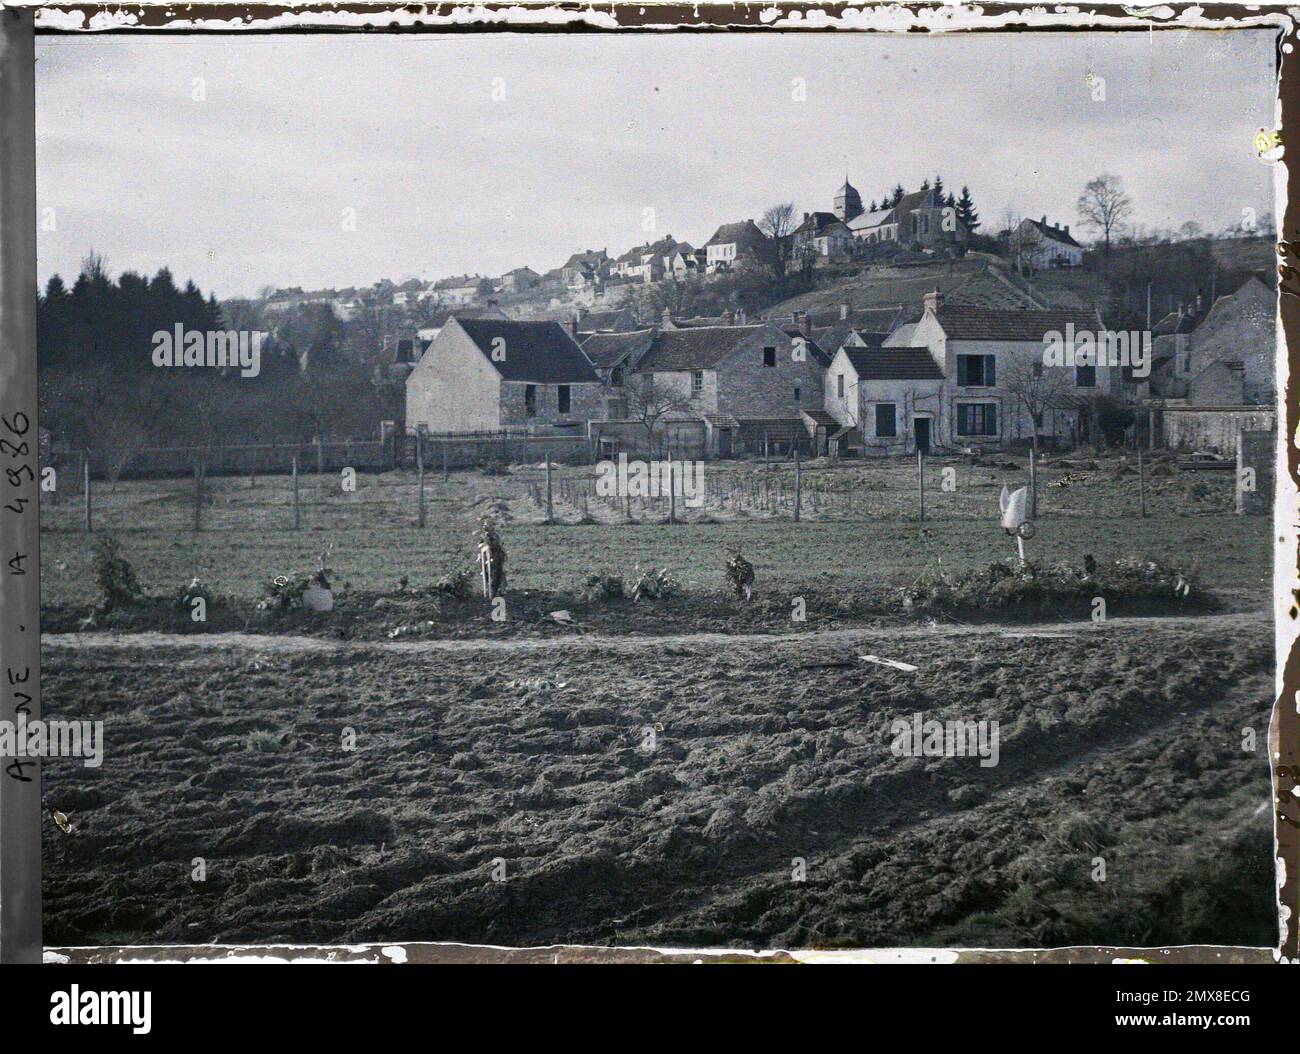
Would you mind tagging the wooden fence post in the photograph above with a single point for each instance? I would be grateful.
(297, 519)
(444, 461)
(421, 515)
(198, 496)
(1142, 480)
(550, 510)
(85, 474)
(798, 485)
(920, 483)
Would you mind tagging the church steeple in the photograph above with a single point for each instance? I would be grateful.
(848, 202)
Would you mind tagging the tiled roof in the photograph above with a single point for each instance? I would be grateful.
(541, 352)
(694, 349)
(609, 349)
(960, 322)
(894, 364)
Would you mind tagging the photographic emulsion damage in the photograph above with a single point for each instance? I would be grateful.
(806, 492)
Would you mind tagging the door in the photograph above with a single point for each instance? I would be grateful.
(724, 442)
(922, 428)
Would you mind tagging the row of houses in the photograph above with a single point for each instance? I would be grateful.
(878, 381)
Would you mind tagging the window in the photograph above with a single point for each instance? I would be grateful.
(697, 383)
(977, 419)
(769, 356)
(1085, 376)
(530, 400)
(976, 371)
(616, 377)
(797, 393)
(839, 386)
(564, 398)
(886, 421)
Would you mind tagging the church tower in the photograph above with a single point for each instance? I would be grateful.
(848, 202)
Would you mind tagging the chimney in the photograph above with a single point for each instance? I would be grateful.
(1067, 229)
(1200, 301)
(1043, 221)
(728, 317)
(844, 311)
(741, 317)
(573, 327)
(666, 319)
(933, 301)
(806, 324)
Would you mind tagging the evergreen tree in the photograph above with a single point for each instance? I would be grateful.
(966, 214)
(938, 188)
(897, 195)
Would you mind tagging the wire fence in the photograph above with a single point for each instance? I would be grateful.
(714, 491)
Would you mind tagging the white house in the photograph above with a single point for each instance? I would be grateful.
(1050, 245)
(984, 352)
(888, 400)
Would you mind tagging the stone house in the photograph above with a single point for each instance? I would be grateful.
(460, 290)
(586, 269)
(982, 349)
(737, 245)
(888, 400)
(488, 374)
(519, 280)
(821, 234)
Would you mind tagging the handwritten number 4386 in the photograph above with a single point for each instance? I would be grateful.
(17, 426)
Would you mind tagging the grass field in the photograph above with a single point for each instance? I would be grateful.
(859, 528)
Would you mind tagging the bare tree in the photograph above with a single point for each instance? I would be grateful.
(1037, 389)
(649, 401)
(778, 223)
(1104, 205)
(1028, 247)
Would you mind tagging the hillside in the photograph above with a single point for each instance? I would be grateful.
(1116, 285)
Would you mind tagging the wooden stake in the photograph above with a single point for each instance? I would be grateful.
(297, 517)
(85, 474)
(920, 483)
(1142, 480)
(798, 485)
(198, 496)
(421, 514)
(550, 509)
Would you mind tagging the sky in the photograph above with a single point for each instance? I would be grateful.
(336, 160)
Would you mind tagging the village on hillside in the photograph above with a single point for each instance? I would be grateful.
(928, 349)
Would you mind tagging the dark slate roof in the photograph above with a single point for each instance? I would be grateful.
(694, 349)
(832, 338)
(816, 222)
(1047, 230)
(541, 352)
(745, 233)
(609, 349)
(814, 346)
(980, 323)
(894, 364)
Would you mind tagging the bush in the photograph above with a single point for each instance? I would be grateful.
(114, 574)
(1008, 584)
(653, 584)
(602, 586)
(456, 584)
(196, 590)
